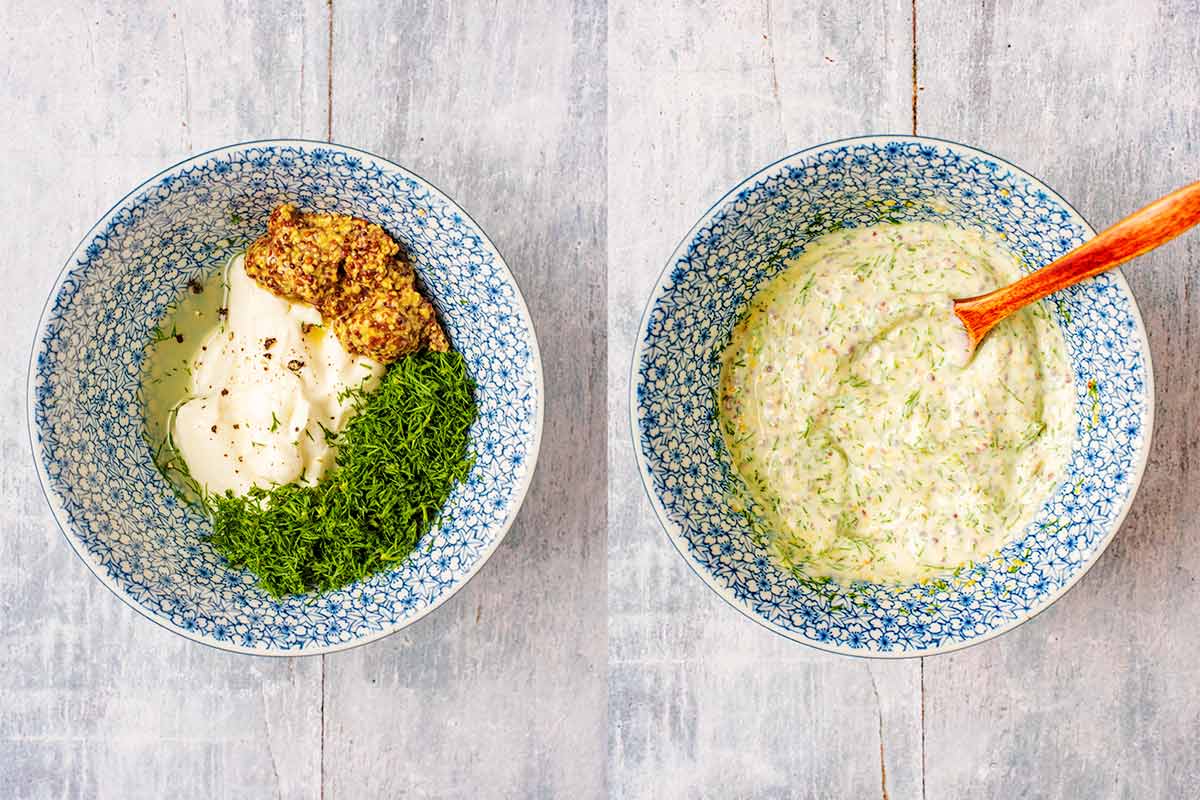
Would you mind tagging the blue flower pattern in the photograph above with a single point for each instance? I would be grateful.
(737, 247)
(88, 428)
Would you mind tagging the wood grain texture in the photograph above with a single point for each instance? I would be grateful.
(702, 701)
(1099, 696)
(587, 138)
(501, 692)
(94, 700)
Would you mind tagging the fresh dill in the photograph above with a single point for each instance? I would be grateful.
(161, 335)
(803, 295)
(1093, 391)
(1064, 311)
(1008, 390)
(330, 436)
(398, 459)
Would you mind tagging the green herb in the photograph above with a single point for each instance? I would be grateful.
(1010, 392)
(1064, 311)
(274, 422)
(804, 289)
(1093, 391)
(1032, 434)
(168, 459)
(398, 459)
(160, 335)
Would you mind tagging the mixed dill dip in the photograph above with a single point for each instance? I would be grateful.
(875, 449)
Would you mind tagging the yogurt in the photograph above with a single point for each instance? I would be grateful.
(873, 447)
(266, 393)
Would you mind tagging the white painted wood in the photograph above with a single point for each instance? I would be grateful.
(94, 700)
(702, 701)
(1099, 696)
(501, 692)
(555, 124)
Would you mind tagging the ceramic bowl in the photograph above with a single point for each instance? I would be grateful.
(87, 424)
(735, 248)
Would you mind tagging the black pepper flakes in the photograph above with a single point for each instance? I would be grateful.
(295, 365)
(179, 338)
(195, 286)
(268, 343)
(214, 428)
(224, 392)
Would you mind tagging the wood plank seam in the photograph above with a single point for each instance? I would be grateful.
(915, 94)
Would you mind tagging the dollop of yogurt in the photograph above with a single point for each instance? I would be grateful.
(268, 386)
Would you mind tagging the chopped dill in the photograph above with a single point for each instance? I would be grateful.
(161, 335)
(805, 288)
(1032, 434)
(1010, 392)
(1093, 391)
(1064, 311)
(398, 459)
(330, 436)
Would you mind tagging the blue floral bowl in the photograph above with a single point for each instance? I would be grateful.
(87, 425)
(734, 249)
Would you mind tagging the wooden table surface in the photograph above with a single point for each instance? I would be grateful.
(586, 660)
(502, 108)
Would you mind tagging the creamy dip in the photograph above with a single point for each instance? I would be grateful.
(264, 387)
(874, 448)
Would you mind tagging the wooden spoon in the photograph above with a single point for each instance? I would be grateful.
(1156, 224)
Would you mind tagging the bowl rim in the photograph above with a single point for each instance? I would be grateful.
(1137, 472)
(521, 486)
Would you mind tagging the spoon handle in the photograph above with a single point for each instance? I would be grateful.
(1157, 223)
